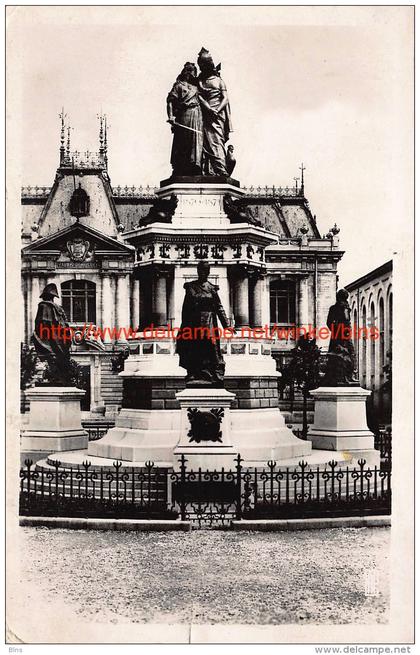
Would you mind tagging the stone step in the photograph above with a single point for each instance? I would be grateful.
(317, 458)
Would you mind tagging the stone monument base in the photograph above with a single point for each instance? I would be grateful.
(54, 422)
(140, 435)
(340, 423)
(205, 429)
(199, 179)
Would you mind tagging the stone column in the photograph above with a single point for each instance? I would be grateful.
(178, 294)
(135, 304)
(143, 309)
(265, 300)
(170, 303)
(159, 308)
(35, 299)
(123, 305)
(303, 304)
(24, 286)
(223, 284)
(107, 306)
(96, 382)
(256, 282)
(241, 300)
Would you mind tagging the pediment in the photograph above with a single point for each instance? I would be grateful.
(78, 242)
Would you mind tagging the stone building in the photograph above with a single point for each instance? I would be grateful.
(371, 305)
(121, 255)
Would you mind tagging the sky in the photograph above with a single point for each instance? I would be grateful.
(327, 86)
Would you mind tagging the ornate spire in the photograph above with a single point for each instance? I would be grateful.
(103, 139)
(62, 116)
(68, 143)
(105, 143)
(101, 135)
(302, 181)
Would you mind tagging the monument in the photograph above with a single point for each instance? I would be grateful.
(202, 252)
(340, 403)
(205, 404)
(54, 417)
(228, 401)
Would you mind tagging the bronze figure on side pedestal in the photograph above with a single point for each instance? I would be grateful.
(199, 346)
(341, 362)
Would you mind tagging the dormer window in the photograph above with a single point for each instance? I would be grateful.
(79, 203)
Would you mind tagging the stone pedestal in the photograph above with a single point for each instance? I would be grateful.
(205, 429)
(340, 422)
(139, 435)
(54, 422)
(148, 425)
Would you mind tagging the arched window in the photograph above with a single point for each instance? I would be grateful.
(390, 322)
(79, 301)
(364, 346)
(381, 336)
(372, 348)
(356, 340)
(282, 302)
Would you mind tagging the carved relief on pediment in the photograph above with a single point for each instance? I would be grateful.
(79, 249)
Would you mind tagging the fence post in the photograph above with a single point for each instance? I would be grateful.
(332, 464)
(149, 466)
(117, 465)
(183, 462)
(57, 465)
(238, 461)
(271, 465)
(86, 466)
(361, 463)
(28, 464)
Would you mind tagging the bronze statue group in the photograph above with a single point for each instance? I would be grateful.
(199, 113)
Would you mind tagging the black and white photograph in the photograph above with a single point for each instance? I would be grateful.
(210, 325)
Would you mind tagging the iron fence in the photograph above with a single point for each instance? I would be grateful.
(88, 491)
(206, 498)
(312, 492)
(383, 443)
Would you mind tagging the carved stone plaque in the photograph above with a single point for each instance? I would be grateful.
(205, 425)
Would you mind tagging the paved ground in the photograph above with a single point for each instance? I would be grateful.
(206, 576)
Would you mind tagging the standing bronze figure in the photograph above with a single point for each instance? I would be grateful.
(52, 340)
(198, 345)
(185, 116)
(217, 123)
(341, 361)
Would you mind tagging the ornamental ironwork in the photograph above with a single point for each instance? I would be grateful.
(205, 497)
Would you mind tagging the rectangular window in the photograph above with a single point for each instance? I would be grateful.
(79, 301)
(282, 302)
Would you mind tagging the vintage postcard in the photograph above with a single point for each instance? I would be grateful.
(210, 254)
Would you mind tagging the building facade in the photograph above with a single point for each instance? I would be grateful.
(371, 305)
(120, 257)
